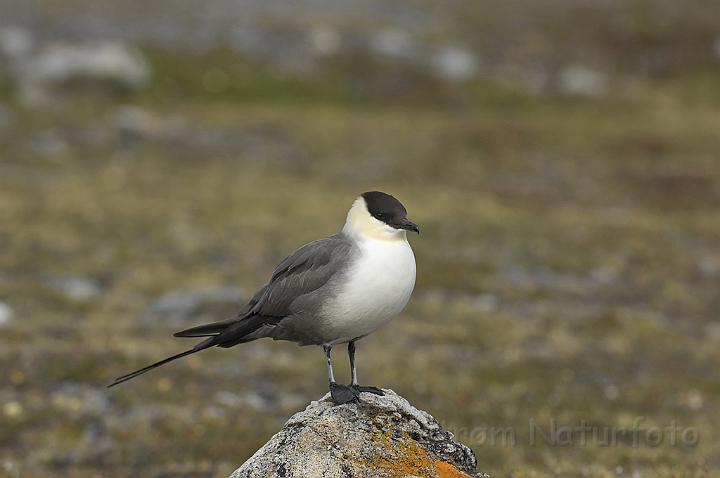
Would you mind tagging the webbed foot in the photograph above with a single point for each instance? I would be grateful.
(342, 394)
(373, 390)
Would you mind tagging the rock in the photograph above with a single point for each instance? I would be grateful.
(325, 41)
(262, 144)
(137, 124)
(96, 444)
(712, 331)
(486, 302)
(78, 288)
(179, 306)
(392, 42)
(16, 41)
(6, 314)
(58, 63)
(49, 143)
(455, 63)
(579, 80)
(567, 282)
(707, 266)
(261, 401)
(376, 437)
(82, 399)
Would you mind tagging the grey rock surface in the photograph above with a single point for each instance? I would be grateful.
(376, 437)
(259, 144)
(78, 288)
(581, 81)
(177, 307)
(6, 314)
(56, 63)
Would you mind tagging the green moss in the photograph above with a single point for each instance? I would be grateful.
(222, 75)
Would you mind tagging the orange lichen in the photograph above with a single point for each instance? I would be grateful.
(406, 457)
(446, 470)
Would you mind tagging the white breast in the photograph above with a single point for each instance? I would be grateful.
(377, 288)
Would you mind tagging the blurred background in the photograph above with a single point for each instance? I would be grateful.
(158, 159)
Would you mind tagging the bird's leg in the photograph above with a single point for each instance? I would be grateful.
(353, 373)
(353, 370)
(331, 376)
(340, 393)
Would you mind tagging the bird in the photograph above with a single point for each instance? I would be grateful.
(332, 291)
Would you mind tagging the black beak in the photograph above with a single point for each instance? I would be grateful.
(409, 226)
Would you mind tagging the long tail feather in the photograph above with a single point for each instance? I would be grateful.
(225, 333)
(127, 377)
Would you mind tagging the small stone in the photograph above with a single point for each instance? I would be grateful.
(78, 288)
(579, 80)
(178, 306)
(325, 41)
(135, 120)
(455, 63)
(486, 302)
(694, 400)
(708, 266)
(604, 275)
(60, 62)
(12, 409)
(49, 143)
(6, 314)
(611, 392)
(40, 75)
(712, 330)
(393, 42)
(16, 41)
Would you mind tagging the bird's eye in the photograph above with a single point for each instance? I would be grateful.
(378, 215)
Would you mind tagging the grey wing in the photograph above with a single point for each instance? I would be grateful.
(304, 271)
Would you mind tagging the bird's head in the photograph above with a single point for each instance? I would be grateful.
(379, 216)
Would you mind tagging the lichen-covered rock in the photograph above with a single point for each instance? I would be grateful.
(376, 437)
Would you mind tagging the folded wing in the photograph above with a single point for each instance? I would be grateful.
(302, 272)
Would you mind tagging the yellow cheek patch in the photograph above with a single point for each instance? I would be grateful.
(360, 221)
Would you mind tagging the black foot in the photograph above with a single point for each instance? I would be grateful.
(342, 394)
(373, 390)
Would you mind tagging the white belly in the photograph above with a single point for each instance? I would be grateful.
(378, 286)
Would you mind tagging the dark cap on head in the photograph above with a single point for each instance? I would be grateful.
(389, 210)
